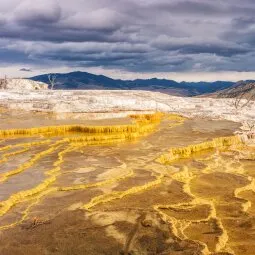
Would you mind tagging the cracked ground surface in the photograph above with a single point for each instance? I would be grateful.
(62, 196)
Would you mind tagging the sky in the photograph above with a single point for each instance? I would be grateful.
(187, 40)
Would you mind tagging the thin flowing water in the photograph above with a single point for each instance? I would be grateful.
(123, 191)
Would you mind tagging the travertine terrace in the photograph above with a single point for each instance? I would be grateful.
(122, 103)
(124, 172)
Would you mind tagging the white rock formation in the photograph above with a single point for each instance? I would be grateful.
(22, 84)
(123, 101)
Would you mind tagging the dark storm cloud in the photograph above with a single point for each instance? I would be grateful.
(241, 31)
(190, 7)
(150, 36)
(243, 22)
(203, 47)
(9, 56)
(244, 37)
(63, 35)
(204, 8)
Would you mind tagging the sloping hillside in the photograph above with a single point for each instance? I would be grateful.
(245, 89)
(84, 80)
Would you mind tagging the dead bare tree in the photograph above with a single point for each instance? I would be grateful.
(251, 126)
(3, 83)
(243, 99)
(240, 102)
(52, 79)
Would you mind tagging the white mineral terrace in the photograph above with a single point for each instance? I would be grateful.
(123, 102)
(22, 84)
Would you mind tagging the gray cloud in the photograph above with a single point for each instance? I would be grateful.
(29, 14)
(190, 7)
(243, 22)
(25, 70)
(147, 36)
(225, 51)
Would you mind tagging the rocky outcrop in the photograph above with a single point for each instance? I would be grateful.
(22, 84)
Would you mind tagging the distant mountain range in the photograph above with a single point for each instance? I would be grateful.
(84, 80)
